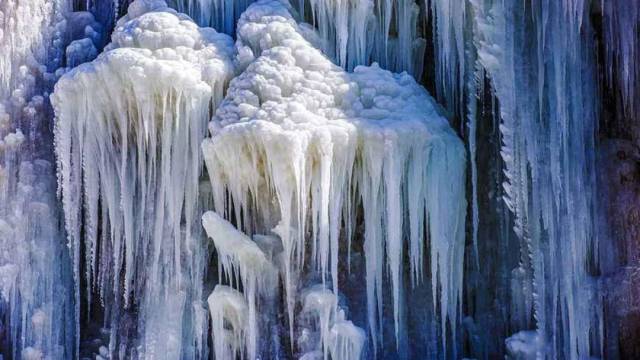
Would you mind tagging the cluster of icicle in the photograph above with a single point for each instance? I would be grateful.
(352, 32)
(549, 116)
(244, 264)
(621, 22)
(251, 264)
(358, 32)
(219, 14)
(334, 335)
(540, 61)
(298, 143)
(36, 291)
(128, 131)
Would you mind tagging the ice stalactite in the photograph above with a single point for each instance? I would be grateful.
(129, 162)
(622, 43)
(338, 337)
(244, 265)
(36, 291)
(297, 136)
(541, 67)
(449, 21)
(219, 14)
(361, 32)
(228, 309)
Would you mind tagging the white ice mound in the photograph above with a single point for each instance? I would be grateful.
(128, 132)
(297, 137)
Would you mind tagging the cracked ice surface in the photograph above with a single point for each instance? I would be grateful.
(297, 137)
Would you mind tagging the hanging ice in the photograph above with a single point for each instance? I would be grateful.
(296, 137)
(128, 132)
(360, 32)
(219, 14)
(229, 331)
(338, 337)
(243, 263)
(549, 118)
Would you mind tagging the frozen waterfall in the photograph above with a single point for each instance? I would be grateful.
(271, 179)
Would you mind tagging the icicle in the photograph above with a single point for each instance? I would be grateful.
(448, 20)
(549, 116)
(621, 23)
(347, 341)
(339, 338)
(135, 140)
(242, 262)
(229, 332)
(292, 129)
(219, 14)
(360, 32)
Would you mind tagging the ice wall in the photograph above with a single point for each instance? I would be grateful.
(129, 163)
(297, 139)
(349, 172)
(36, 289)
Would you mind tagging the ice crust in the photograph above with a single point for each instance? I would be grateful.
(128, 131)
(297, 138)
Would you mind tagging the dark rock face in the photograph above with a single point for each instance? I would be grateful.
(620, 252)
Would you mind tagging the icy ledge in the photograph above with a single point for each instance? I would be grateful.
(298, 142)
(128, 132)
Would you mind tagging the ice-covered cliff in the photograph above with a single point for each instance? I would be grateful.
(299, 194)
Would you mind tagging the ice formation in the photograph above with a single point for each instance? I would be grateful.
(228, 308)
(548, 151)
(338, 336)
(219, 14)
(36, 289)
(297, 137)
(243, 263)
(338, 187)
(129, 163)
